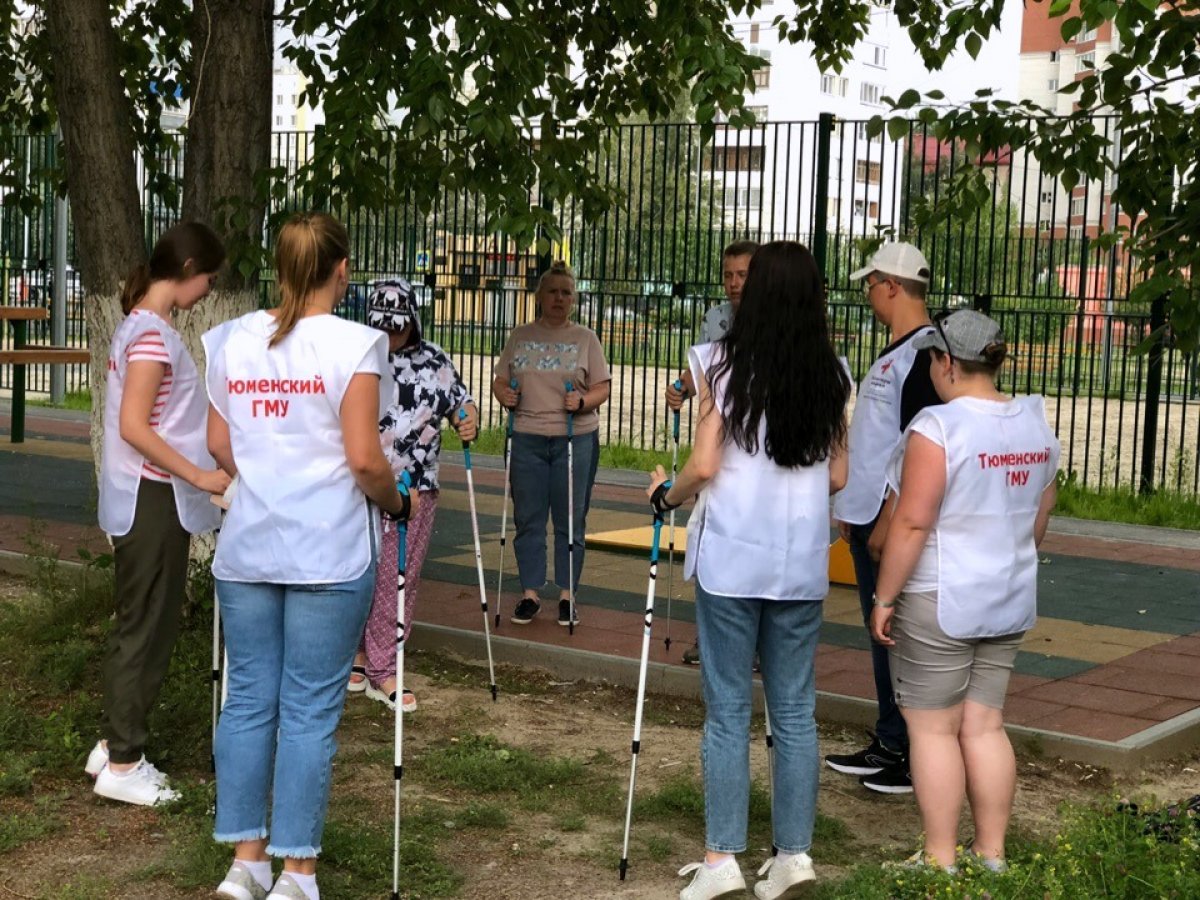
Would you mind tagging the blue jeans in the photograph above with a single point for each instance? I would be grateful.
(539, 488)
(290, 651)
(889, 727)
(784, 633)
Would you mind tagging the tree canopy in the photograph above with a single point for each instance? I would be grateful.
(510, 99)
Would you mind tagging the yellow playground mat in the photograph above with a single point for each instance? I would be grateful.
(637, 540)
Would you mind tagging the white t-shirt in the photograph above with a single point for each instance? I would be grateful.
(298, 516)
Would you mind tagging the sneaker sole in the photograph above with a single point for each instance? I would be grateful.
(888, 788)
(163, 801)
(854, 770)
(230, 891)
(566, 624)
(516, 621)
(795, 891)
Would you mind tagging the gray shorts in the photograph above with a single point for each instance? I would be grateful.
(931, 670)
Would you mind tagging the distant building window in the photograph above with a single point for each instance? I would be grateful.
(1052, 85)
(1075, 231)
(279, 99)
(1047, 196)
(762, 76)
(1089, 35)
(295, 98)
(279, 120)
(293, 121)
(1087, 60)
(1077, 205)
(870, 94)
(1053, 56)
(738, 159)
(834, 85)
(878, 57)
(760, 113)
(754, 32)
(860, 133)
(747, 197)
(867, 171)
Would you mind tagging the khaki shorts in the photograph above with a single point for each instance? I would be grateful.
(931, 670)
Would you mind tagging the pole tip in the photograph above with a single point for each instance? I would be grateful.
(624, 867)
(494, 693)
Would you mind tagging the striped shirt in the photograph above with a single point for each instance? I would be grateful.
(150, 348)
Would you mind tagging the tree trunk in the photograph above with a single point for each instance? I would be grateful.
(229, 129)
(99, 157)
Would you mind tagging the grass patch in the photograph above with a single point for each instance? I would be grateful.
(1098, 852)
(19, 828)
(1163, 508)
(77, 400)
(482, 764)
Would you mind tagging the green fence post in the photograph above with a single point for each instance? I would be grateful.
(820, 211)
(1158, 318)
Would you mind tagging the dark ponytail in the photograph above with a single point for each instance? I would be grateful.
(184, 251)
(136, 285)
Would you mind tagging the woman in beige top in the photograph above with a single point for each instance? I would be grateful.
(561, 375)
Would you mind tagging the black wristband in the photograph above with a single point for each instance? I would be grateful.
(403, 515)
(658, 500)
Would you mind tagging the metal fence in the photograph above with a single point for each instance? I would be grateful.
(648, 268)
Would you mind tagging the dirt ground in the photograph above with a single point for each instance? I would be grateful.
(528, 858)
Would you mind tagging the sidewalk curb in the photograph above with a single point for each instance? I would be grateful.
(1159, 742)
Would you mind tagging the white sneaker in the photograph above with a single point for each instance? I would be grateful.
(786, 878)
(709, 883)
(287, 889)
(239, 884)
(143, 785)
(97, 759)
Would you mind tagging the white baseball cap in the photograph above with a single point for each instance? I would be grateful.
(899, 259)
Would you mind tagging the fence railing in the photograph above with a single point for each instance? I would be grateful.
(647, 269)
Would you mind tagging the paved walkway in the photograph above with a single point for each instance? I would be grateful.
(1111, 673)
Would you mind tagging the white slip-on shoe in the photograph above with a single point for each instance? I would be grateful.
(239, 884)
(97, 759)
(144, 785)
(786, 877)
(287, 889)
(408, 704)
(711, 882)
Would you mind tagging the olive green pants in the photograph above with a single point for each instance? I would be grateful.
(151, 578)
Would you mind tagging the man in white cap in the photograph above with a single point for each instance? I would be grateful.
(897, 387)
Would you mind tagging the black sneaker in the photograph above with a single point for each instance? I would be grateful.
(526, 609)
(894, 779)
(691, 656)
(874, 759)
(564, 613)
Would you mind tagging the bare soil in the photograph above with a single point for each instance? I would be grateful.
(101, 843)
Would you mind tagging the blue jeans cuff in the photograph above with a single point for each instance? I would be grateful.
(234, 837)
(725, 848)
(307, 852)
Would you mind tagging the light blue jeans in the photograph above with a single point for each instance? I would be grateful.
(290, 650)
(784, 633)
(539, 488)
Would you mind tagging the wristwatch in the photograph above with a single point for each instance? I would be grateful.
(875, 601)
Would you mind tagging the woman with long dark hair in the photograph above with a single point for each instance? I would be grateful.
(769, 451)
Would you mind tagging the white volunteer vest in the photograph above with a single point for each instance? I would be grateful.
(298, 516)
(1000, 458)
(874, 433)
(183, 426)
(759, 529)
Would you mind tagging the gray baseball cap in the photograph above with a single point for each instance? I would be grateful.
(964, 334)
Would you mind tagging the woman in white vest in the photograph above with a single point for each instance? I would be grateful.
(155, 480)
(296, 402)
(957, 586)
(769, 450)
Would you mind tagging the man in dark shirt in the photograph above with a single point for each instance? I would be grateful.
(897, 387)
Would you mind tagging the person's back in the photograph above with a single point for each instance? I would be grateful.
(297, 497)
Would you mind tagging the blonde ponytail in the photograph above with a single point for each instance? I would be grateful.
(308, 248)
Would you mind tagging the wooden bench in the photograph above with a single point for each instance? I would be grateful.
(22, 355)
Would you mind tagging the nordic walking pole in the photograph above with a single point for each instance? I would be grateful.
(401, 526)
(218, 686)
(570, 518)
(770, 759)
(512, 413)
(671, 531)
(641, 694)
(487, 633)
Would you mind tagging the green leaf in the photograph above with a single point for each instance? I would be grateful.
(897, 128)
(974, 44)
(908, 99)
